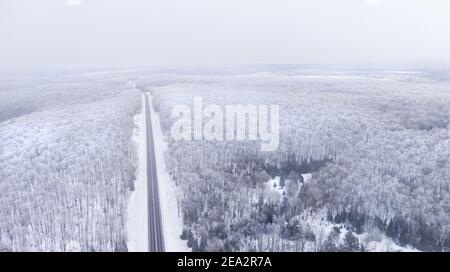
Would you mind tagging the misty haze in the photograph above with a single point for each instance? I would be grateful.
(224, 126)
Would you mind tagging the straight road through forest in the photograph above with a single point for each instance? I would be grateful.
(155, 231)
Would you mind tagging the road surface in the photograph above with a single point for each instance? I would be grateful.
(155, 231)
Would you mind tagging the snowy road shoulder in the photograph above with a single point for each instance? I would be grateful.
(137, 223)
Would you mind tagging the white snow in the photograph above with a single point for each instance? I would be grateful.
(73, 246)
(403, 72)
(373, 241)
(137, 223)
(274, 190)
(321, 227)
(384, 244)
(170, 208)
(307, 177)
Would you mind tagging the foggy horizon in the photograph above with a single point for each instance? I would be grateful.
(209, 33)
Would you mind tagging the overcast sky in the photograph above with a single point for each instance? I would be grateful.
(199, 32)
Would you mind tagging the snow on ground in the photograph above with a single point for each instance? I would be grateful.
(307, 177)
(276, 191)
(384, 244)
(373, 241)
(402, 72)
(137, 223)
(171, 210)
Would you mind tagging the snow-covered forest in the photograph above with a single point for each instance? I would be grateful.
(376, 144)
(362, 163)
(66, 162)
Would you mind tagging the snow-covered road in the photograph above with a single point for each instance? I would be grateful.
(155, 192)
(155, 227)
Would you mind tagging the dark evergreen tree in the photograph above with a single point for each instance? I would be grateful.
(351, 243)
